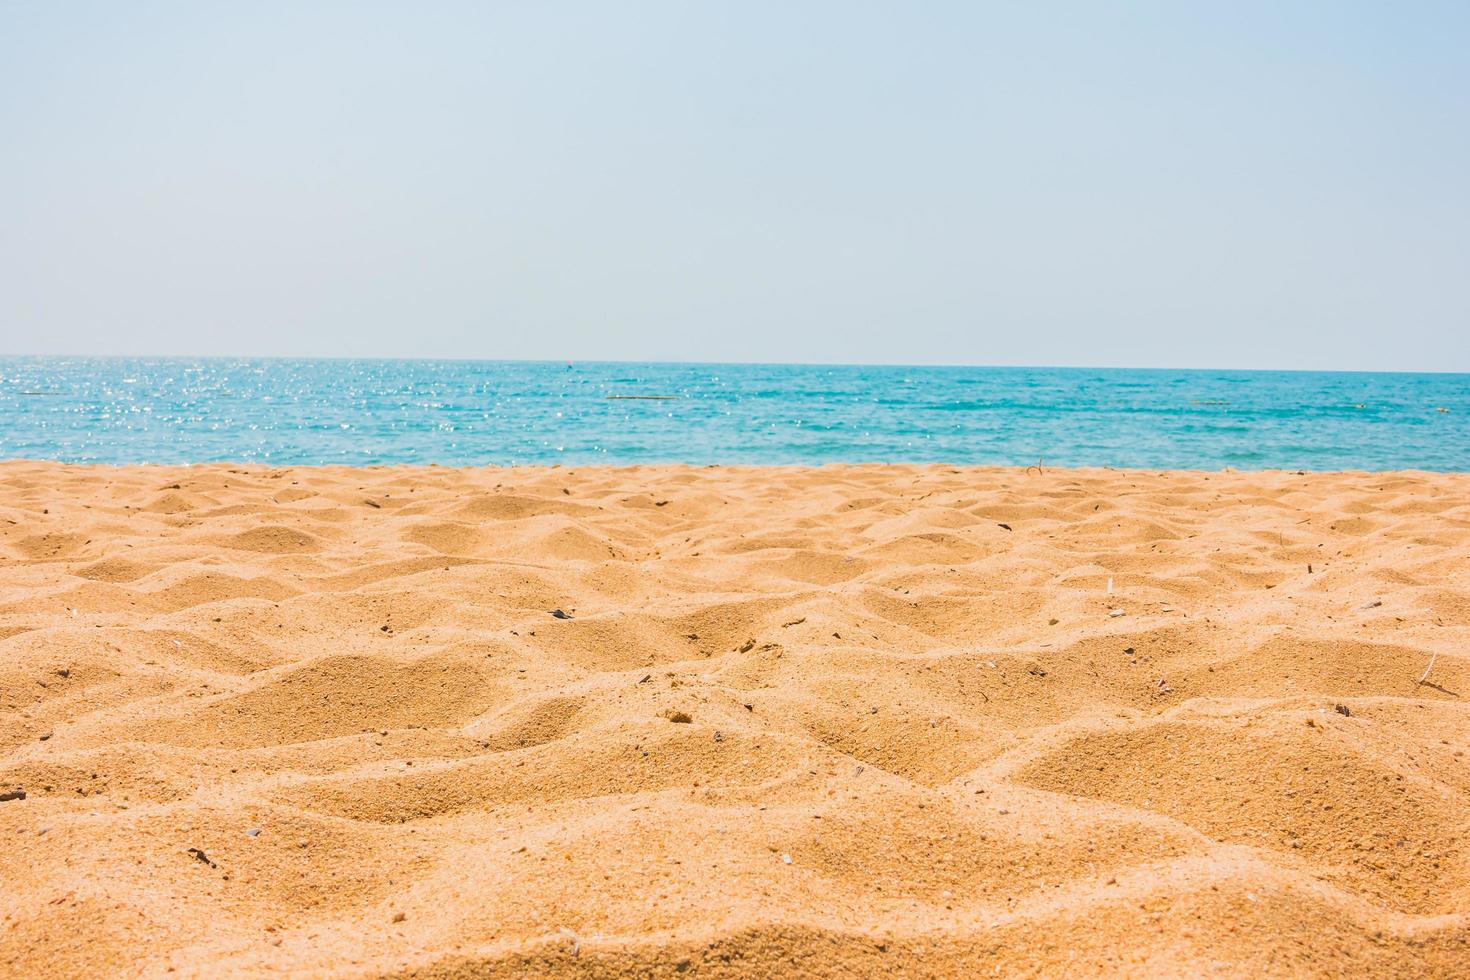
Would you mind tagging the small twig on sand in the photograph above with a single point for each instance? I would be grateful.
(1432, 658)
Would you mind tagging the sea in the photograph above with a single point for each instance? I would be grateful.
(471, 413)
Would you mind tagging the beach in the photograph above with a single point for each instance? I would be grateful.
(732, 721)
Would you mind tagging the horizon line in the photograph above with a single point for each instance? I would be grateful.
(684, 363)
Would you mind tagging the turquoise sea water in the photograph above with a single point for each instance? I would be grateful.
(478, 412)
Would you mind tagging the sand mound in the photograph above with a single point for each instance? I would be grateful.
(334, 696)
(272, 540)
(850, 721)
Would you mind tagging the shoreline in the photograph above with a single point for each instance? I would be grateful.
(953, 468)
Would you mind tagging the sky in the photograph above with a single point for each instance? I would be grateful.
(1246, 185)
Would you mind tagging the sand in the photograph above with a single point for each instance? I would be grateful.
(834, 721)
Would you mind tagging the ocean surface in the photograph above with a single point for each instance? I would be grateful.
(460, 413)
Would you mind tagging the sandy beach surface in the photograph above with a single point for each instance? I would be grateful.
(732, 721)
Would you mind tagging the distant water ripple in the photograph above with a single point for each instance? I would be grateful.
(479, 412)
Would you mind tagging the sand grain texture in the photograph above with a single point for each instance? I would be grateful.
(834, 722)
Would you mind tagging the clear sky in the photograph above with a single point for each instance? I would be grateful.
(1274, 184)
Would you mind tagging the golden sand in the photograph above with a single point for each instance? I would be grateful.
(831, 721)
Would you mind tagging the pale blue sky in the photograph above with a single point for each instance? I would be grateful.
(1267, 184)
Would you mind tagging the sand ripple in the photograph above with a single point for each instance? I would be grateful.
(838, 721)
